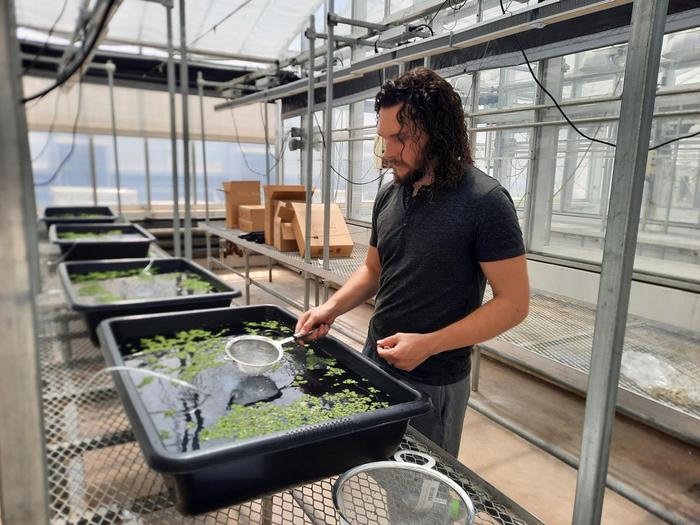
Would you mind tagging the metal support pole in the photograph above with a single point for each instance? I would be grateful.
(246, 259)
(646, 37)
(184, 88)
(173, 133)
(267, 145)
(93, 169)
(279, 144)
(476, 367)
(147, 162)
(309, 158)
(23, 479)
(200, 88)
(110, 67)
(193, 173)
(328, 134)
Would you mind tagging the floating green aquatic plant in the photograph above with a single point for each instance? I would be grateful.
(185, 281)
(200, 349)
(265, 418)
(89, 235)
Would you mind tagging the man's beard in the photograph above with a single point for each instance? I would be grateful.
(410, 178)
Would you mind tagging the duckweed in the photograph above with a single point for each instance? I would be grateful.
(119, 285)
(89, 235)
(264, 418)
(310, 387)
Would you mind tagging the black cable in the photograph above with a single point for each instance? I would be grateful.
(86, 53)
(592, 139)
(245, 159)
(46, 42)
(437, 12)
(416, 28)
(532, 72)
(674, 140)
(456, 7)
(72, 146)
(323, 140)
(51, 127)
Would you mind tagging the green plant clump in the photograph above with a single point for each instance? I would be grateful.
(101, 294)
(200, 349)
(88, 235)
(196, 284)
(264, 418)
(110, 274)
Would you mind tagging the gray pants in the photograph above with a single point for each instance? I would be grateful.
(443, 424)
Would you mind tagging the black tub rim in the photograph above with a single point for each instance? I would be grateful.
(168, 462)
(79, 306)
(109, 216)
(96, 226)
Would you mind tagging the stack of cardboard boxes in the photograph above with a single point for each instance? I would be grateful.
(283, 218)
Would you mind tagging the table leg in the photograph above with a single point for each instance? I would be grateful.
(476, 363)
(246, 258)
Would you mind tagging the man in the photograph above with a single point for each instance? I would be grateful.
(439, 231)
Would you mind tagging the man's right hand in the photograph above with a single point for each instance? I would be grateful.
(321, 318)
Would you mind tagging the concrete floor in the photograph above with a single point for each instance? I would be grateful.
(653, 463)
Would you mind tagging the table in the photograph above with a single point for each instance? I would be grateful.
(97, 475)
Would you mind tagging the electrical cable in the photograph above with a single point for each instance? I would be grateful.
(674, 140)
(245, 159)
(87, 51)
(72, 146)
(416, 28)
(563, 114)
(352, 183)
(537, 81)
(46, 42)
(51, 128)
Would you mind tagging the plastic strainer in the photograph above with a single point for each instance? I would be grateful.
(400, 493)
(256, 354)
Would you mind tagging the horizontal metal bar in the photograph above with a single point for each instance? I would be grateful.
(350, 40)
(590, 120)
(622, 488)
(578, 102)
(62, 451)
(333, 18)
(546, 13)
(161, 47)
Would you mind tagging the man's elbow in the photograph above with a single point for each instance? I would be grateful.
(520, 310)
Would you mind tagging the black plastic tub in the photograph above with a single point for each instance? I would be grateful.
(133, 245)
(236, 471)
(94, 313)
(77, 215)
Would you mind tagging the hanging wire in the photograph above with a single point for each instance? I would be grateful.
(72, 145)
(46, 42)
(51, 128)
(352, 183)
(566, 117)
(245, 159)
(86, 52)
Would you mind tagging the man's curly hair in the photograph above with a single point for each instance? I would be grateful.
(432, 106)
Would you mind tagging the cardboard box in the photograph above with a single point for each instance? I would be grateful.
(237, 193)
(252, 212)
(273, 193)
(251, 217)
(284, 238)
(341, 243)
(250, 226)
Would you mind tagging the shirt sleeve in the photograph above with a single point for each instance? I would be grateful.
(498, 234)
(378, 204)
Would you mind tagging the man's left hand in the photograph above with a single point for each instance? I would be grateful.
(404, 351)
